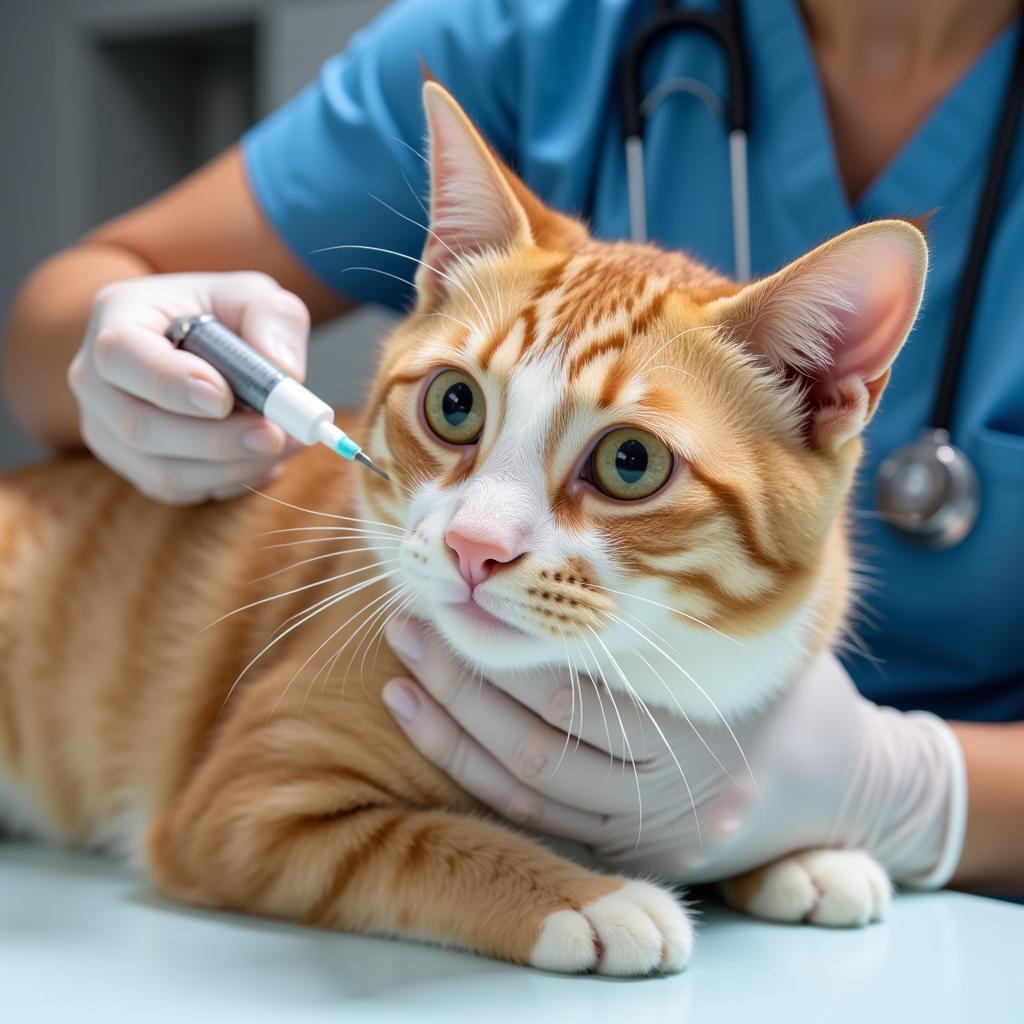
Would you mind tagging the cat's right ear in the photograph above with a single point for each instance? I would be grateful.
(834, 321)
(473, 205)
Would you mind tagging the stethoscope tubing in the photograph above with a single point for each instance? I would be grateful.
(981, 241)
(724, 29)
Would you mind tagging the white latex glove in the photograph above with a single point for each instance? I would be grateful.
(831, 768)
(163, 418)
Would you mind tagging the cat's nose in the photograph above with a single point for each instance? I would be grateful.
(478, 557)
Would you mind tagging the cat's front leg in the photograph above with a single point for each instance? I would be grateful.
(333, 851)
(839, 888)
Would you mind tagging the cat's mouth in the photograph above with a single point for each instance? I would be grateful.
(472, 612)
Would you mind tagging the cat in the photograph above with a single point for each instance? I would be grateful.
(566, 423)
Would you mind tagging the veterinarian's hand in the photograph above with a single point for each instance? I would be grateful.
(831, 769)
(163, 418)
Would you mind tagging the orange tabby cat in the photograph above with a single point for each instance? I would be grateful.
(569, 426)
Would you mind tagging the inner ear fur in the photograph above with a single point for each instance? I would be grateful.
(835, 320)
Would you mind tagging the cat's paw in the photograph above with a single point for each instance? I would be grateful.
(638, 929)
(837, 888)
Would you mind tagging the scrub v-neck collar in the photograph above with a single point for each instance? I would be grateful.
(788, 105)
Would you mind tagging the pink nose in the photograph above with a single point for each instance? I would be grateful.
(478, 558)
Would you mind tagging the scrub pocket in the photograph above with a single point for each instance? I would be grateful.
(1000, 455)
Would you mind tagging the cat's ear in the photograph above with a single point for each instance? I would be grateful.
(476, 202)
(472, 206)
(836, 319)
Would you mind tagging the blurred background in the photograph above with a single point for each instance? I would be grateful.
(104, 103)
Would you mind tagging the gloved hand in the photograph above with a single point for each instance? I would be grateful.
(820, 766)
(163, 418)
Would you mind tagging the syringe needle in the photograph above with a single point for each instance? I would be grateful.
(368, 462)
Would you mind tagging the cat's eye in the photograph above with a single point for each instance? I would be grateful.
(454, 407)
(629, 463)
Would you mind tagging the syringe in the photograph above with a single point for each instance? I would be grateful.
(260, 385)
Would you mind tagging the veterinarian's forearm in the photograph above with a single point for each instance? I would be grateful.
(208, 222)
(993, 854)
(45, 329)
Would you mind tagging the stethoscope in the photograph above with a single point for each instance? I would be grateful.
(928, 490)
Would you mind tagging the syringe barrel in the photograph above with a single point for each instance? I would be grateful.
(252, 378)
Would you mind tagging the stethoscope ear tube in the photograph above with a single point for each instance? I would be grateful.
(724, 28)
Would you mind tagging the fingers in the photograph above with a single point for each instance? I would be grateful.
(575, 703)
(278, 325)
(151, 411)
(131, 353)
(441, 740)
(534, 753)
(151, 431)
(571, 702)
(176, 481)
(272, 320)
(145, 364)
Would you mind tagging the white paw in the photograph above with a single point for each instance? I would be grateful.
(839, 888)
(636, 930)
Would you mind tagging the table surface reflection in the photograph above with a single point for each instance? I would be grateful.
(82, 939)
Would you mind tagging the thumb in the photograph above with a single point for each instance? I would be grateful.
(277, 323)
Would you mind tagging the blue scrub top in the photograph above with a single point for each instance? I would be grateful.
(945, 630)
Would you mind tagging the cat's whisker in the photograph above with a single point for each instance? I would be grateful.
(296, 590)
(705, 695)
(341, 531)
(650, 631)
(367, 635)
(405, 256)
(327, 668)
(415, 195)
(664, 739)
(625, 740)
(316, 604)
(355, 588)
(661, 348)
(406, 281)
(607, 731)
(409, 599)
(387, 613)
(299, 670)
(579, 689)
(682, 711)
(612, 757)
(363, 611)
(592, 679)
(671, 369)
(458, 259)
(412, 149)
(315, 512)
(572, 706)
(319, 558)
(668, 608)
(331, 540)
(454, 319)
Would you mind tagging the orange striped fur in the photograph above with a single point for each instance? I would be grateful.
(127, 721)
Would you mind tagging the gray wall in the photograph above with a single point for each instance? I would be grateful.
(99, 111)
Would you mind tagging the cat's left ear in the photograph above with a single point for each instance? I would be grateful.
(472, 206)
(836, 319)
(477, 203)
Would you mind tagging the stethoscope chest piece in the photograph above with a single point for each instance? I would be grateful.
(928, 490)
